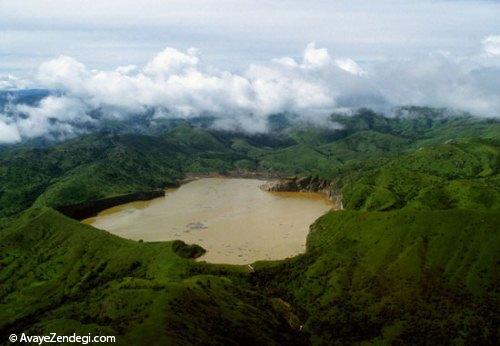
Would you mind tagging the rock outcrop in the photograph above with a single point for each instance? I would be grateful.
(307, 184)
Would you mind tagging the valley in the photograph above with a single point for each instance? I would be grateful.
(412, 257)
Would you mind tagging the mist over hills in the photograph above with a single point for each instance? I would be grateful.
(148, 123)
(178, 84)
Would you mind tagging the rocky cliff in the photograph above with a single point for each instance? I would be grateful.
(307, 184)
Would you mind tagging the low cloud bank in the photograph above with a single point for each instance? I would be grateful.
(176, 84)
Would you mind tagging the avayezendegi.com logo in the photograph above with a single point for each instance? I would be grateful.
(54, 338)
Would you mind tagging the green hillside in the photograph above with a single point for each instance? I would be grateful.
(103, 165)
(461, 174)
(62, 276)
(413, 258)
(404, 276)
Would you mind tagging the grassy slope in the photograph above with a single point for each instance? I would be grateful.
(62, 276)
(406, 274)
(427, 271)
(403, 276)
(82, 169)
(462, 174)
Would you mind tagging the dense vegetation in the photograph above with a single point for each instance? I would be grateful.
(59, 275)
(400, 277)
(413, 258)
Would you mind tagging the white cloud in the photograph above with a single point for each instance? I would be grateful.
(171, 61)
(127, 70)
(491, 45)
(10, 82)
(60, 108)
(315, 57)
(350, 66)
(55, 116)
(63, 72)
(8, 132)
(179, 84)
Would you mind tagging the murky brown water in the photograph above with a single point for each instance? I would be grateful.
(233, 219)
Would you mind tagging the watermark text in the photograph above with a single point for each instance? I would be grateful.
(55, 338)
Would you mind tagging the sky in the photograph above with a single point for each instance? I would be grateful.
(231, 34)
(244, 60)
